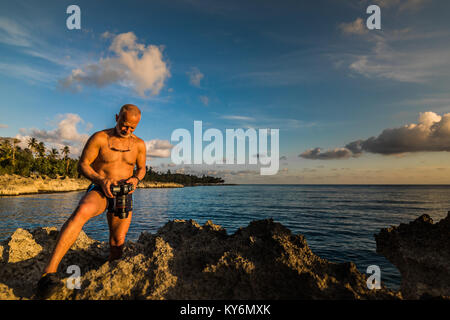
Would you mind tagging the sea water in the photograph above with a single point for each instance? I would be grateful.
(338, 221)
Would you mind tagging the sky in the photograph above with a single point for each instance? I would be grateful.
(352, 105)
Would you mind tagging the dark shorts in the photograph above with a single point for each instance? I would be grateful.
(110, 207)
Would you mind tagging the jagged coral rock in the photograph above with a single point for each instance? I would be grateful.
(185, 260)
(22, 246)
(421, 252)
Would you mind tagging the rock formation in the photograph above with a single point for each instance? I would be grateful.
(184, 260)
(421, 252)
(14, 185)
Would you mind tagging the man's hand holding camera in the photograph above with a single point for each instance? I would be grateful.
(134, 181)
(106, 186)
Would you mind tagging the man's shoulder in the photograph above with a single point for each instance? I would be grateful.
(139, 140)
(102, 133)
(100, 136)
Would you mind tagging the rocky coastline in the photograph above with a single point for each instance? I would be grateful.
(421, 252)
(264, 261)
(15, 185)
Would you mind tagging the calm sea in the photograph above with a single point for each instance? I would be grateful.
(338, 221)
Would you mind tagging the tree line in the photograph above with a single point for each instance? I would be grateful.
(36, 158)
(184, 179)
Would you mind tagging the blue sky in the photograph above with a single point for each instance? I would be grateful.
(308, 68)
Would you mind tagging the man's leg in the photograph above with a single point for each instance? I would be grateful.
(91, 205)
(118, 229)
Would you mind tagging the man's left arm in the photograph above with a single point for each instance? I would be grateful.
(140, 165)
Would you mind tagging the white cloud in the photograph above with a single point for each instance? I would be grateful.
(66, 133)
(431, 133)
(132, 65)
(158, 148)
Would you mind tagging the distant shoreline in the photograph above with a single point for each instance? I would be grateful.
(212, 184)
(15, 185)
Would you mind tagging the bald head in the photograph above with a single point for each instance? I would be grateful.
(127, 120)
(130, 109)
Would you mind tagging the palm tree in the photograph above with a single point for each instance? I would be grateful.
(15, 141)
(5, 150)
(53, 154)
(41, 149)
(65, 151)
(33, 144)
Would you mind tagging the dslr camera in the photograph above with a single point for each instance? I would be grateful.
(123, 201)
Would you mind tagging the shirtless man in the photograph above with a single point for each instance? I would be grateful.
(108, 158)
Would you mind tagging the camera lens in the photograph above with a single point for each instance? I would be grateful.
(122, 207)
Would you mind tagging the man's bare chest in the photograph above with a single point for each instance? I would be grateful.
(108, 156)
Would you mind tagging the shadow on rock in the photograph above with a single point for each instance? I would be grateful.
(421, 252)
(25, 254)
(185, 260)
(261, 261)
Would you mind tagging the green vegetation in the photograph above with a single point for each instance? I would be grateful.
(184, 179)
(37, 159)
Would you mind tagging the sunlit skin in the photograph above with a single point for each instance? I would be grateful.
(105, 167)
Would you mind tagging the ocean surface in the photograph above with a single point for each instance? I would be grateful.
(338, 221)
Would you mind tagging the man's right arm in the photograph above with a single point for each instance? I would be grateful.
(88, 156)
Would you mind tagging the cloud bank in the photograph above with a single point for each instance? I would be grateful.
(66, 133)
(431, 133)
(317, 154)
